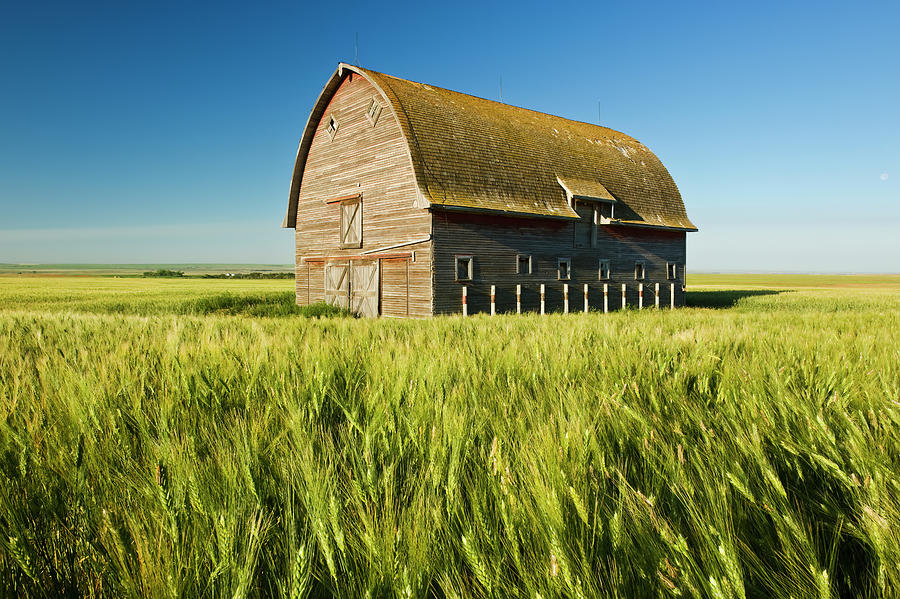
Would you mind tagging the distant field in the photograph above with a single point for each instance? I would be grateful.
(694, 279)
(139, 296)
(744, 281)
(172, 437)
(788, 281)
(136, 269)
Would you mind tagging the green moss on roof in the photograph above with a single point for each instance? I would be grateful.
(469, 152)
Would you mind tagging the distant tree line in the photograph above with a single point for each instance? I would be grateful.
(250, 275)
(162, 272)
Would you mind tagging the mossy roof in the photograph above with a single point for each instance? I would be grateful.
(475, 154)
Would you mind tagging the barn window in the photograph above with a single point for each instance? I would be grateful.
(564, 269)
(351, 223)
(639, 271)
(373, 112)
(603, 273)
(605, 213)
(671, 271)
(465, 268)
(523, 264)
(332, 126)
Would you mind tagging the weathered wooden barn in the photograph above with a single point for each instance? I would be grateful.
(403, 194)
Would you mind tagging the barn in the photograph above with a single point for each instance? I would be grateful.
(409, 200)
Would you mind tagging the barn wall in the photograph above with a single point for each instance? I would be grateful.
(496, 241)
(372, 161)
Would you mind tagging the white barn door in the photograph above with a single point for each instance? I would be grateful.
(364, 288)
(337, 284)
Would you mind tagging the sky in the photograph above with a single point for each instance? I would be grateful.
(166, 132)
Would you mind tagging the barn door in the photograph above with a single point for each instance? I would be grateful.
(351, 224)
(395, 287)
(337, 284)
(364, 288)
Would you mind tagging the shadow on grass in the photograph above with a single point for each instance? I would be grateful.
(720, 299)
(272, 305)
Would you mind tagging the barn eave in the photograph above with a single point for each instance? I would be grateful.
(647, 225)
(495, 212)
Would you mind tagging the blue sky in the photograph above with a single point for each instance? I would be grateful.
(166, 132)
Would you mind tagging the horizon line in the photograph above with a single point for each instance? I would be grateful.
(291, 265)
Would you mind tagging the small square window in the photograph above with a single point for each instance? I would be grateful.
(671, 271)
(465, 268)
(332, 127)
(639, 271)
(523, 264)
(564, 269)
(604, 270)
(373, 112)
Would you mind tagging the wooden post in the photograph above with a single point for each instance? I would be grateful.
(605, 298)
(585, 298)
(542, 298)
(493, 305)
(656, 294)
(518, 299)
(623, 295)
(465, 306)
(640, 296)
(672, 295)
(565, 298)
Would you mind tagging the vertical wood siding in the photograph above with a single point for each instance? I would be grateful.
(495, 241)
(371, 161)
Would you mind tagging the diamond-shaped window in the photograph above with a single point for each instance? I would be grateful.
(332, 127)
(373, 112)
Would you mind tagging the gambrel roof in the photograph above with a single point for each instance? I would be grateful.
(477, 155)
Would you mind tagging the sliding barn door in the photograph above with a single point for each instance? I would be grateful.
(337, 284)
(364, 287)
(395, 287)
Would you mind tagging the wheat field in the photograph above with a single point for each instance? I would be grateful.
(208, 439)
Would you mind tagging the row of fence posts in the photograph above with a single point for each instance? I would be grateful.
(465, 307)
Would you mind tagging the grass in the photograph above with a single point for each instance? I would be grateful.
(184, 446)
(149, 297)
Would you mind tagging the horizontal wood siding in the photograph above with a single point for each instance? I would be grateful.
(495, 242)
(395, 287)
(372, 161)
